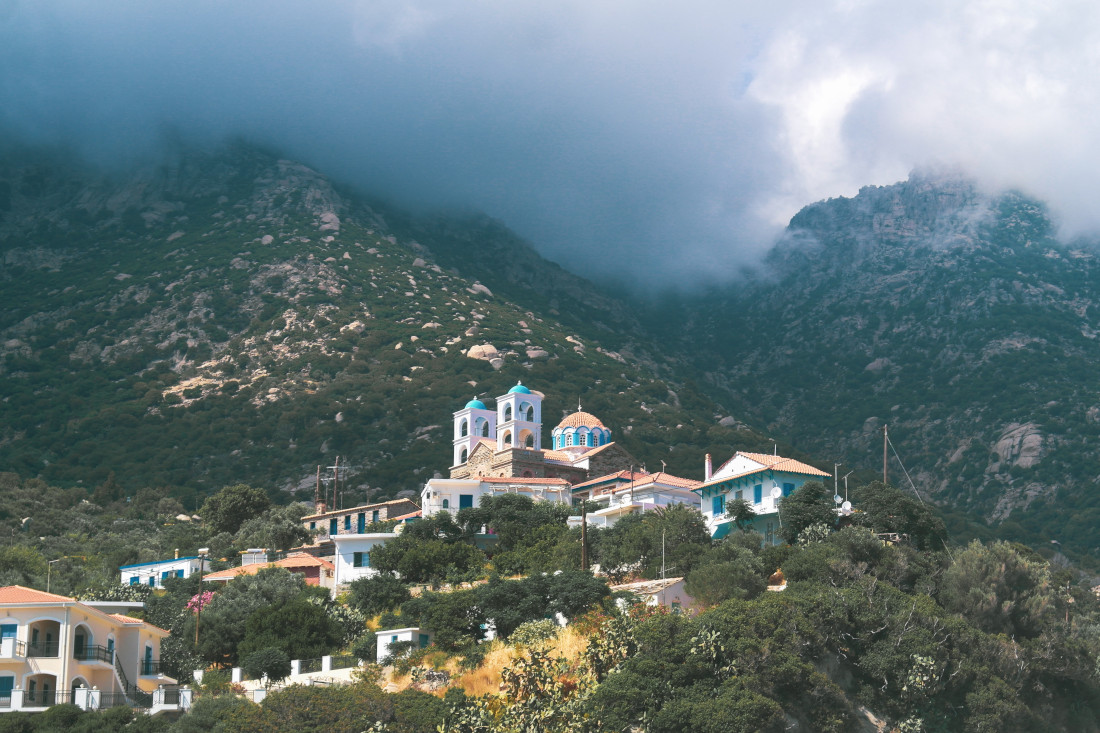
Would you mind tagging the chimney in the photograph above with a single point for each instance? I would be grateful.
(177, 553)
(708, 469)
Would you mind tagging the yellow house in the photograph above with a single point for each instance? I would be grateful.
(55, 649)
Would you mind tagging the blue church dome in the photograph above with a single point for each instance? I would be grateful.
(475, 404)
(519, 389)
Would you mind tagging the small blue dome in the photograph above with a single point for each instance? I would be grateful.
(519, 389)
(475, 404)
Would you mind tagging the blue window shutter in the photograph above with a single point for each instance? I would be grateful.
(332, 526)
(7, 631)
(718, 505)
(758, 493)
(133, 580)
(374, 516)
(787, 489)
(357, 559)
(465, 501)
(362, 522)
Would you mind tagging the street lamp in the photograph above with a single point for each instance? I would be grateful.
(49, 569)
(203, 552)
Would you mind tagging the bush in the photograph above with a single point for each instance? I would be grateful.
(272, 663)
(534, 633)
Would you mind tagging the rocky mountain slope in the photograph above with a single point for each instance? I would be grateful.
(234, 317)
(954, 317)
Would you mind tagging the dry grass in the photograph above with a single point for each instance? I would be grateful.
(485, 680)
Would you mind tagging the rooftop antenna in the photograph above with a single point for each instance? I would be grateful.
(836, 484)
(662, 466)
(775, 449)
(846, 483)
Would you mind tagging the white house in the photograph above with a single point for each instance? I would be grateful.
(422, 637)
(627, 492)
(667, 592)
(54, 649)
(352, 559)
(154, 573)
(452, 494)
(759, 479)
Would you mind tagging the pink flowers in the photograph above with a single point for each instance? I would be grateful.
(199, 601)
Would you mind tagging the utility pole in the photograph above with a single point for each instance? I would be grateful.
(198, 612)
(885, 440)
(662, 553)
(317, 491)
(584, 534)
(836, 482)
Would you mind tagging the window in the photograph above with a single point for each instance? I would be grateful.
(152, 581)
(676, 608)
(7, 684)
(738, 494)
(362, 523)
(357, 560)
(507, 413)
(569, 439)
(507, 438)
(787, 489)
(530, 414)
(463, 456)
(312, 526)
(424, 640)
(332, 526)
(133, 580)
(446, 504)
(179, 573)
(718, 505)
(465, 501)
(758, 493)
(374, 516)
(347, 523)
(463, 430)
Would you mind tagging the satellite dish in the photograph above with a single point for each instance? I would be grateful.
(846, 506)
(837, 499)
(777, 492)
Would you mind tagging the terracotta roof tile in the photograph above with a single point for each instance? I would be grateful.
(620, 476)
(523, 480)
(21, 594)
(581, 419)
(769, 463)
(295, 560)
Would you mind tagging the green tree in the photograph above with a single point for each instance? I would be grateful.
(811, 503)
(278, 528)
(426, 561)
(271, 663)
(884, 508)
(728, 571)
(998, 589)
(224, 620)
(377, 593)
(641, 543)
(231, 507)
(301, 629)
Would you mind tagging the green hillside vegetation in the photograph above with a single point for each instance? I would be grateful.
(233, 317)
(953, 316)
(924, 635)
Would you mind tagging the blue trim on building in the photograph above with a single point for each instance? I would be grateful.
(156, 562)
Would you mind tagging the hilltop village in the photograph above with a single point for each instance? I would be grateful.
(518, 591)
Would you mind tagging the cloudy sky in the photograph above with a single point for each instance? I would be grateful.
(620, 137)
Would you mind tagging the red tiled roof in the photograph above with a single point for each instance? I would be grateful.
(769, 463)
(522, 480)
(21, 594)
(581, 419)
(620, 476)
(408, 516)
(296, 560)
(135, 621)
(362, 508)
